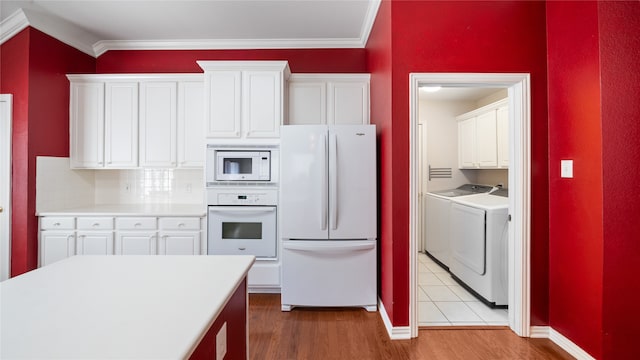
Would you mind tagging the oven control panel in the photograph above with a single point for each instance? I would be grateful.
(242, 197)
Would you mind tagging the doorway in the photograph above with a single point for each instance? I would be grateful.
(517, 87)
(5, 187)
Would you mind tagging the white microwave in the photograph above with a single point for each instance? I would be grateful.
(225, 165)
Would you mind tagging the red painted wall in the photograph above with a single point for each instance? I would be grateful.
(300, 60)
(618, 24)
(379, 61)
(456, 36)
(14, 79)
(34, 68)
(575, 205)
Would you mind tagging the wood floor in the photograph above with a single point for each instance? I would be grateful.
(358, 334)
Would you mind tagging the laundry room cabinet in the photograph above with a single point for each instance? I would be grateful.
(334, 99)
(244, 99)
(123, 121)
(483, 137)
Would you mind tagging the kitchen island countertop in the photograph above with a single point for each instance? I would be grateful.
(117, 306)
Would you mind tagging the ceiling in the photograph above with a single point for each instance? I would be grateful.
(100, 25)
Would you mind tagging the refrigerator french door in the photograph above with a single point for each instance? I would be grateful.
(328, 215)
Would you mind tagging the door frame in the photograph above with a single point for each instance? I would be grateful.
(518, 85)
(6, 109)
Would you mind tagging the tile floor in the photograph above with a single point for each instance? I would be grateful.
(442, 302)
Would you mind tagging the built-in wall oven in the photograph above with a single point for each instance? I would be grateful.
(242, 198)
(242, 222)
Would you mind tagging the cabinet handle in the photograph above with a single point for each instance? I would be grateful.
(137, 224)
(242, 249)
(95, 224)
(56, 224)
(181, 225)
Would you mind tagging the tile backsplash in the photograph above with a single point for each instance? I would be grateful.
(59, 187)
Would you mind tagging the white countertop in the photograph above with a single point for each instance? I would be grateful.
(135, 307)
(130, 210)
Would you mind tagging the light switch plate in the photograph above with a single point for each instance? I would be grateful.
(566, 168)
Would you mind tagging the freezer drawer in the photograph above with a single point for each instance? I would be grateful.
(329, 273)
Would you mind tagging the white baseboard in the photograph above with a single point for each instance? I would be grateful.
(560, 340)
(395, 332)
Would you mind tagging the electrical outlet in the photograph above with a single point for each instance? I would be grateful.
(221, 342)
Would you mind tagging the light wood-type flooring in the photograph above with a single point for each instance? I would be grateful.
(357, 334)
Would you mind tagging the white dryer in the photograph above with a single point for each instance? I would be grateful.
(437, 209)
(479, 230)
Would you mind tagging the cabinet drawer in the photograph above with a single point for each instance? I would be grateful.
(136, 223)
(188, 223)
(57, 223)
(95, 223)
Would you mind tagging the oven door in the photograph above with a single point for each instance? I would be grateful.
(242, 230)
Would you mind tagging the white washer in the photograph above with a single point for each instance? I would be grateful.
(437, 210)
(479, 234)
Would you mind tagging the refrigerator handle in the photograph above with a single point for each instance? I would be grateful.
(333, 178)
(324, 188)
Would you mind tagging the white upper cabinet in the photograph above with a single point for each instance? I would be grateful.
(334, 99)
(191, 143)
(502, 122)
(483, 137)
(121, 125)
(86, 123)
(137, 120)
(158, 124)
(244, 99)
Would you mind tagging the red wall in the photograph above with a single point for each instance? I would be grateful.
(34, 66)
(379, 61)
(14, 79)
(300, 60)
(575, 205)
(619, 24)
(455, 37)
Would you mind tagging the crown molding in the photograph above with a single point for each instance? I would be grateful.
(12, 25)
(369, 19)
(225, 44)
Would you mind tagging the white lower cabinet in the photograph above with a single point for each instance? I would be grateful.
(61, 237)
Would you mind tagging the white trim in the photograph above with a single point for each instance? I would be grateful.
(569, 346)
(519, 180)
(397, 332)
(547, 332)
(539, 332)
(12, 25)
(369, 20)
(5, 174)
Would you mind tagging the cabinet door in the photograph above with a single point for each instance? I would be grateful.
(180, 243)
(191, 139)
(348, 103)
(307, 103)
(158, 124)
(262, 103)
(486, 142)
(86, 118)
(503, 136)
(223, 93)
(467, 143)
(136, 243)
(94, 243)
(55, 246)
(121, 125)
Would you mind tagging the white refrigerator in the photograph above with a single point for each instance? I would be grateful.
(328, 215)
